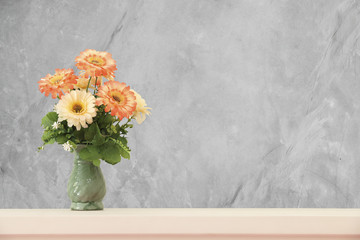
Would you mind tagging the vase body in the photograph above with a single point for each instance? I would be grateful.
(86, 186)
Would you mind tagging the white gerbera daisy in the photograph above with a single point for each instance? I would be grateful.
(77, 108)
(141, 109)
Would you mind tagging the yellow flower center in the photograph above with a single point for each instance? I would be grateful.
(118, 97)
(56, 79)
(98, 61)
(78, 108)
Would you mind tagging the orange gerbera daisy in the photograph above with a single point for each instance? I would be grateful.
(96, 63)
(117, 98)
(61, 82)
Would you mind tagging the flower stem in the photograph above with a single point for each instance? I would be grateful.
(127, 121)
(87, 88)
(95, 85)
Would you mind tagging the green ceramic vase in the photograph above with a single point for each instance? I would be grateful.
(86, 186)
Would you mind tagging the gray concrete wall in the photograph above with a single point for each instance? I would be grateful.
(255, 103)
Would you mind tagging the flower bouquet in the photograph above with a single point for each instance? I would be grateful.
(88, 120)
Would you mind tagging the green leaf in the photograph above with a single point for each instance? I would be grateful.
(118, 128)
(90, 153)
(108, 120)
(49, 119)
(124, 153)
(98, 139)
(124, 150)
(123, 140)
(73, 144)
(85, 154)
(90, 132)
(105, 120)
(51, 141)
(110, 152)
(113, 129)
(80, 135)
(47, 135)
(61, 139)
(96, 162)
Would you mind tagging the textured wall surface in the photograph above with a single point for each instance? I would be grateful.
(255, 103)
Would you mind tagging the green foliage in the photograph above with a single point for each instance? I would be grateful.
(106, 120)
(99, 139)
(79, 136)
(90, 153)
(49, 119)
(61, 139)
(90, 132)
(124, 149)
(96, 162)
(104, 138)
(111, 153)
(48, 136)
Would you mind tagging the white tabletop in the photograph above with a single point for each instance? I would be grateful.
(198, 223)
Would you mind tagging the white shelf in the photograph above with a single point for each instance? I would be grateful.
(180, 224)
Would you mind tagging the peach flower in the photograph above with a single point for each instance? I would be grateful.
(117, 98)
(96, 64)
(58, 84)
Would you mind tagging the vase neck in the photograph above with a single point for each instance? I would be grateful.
(78, 160)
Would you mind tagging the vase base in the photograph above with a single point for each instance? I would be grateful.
(86, 206)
